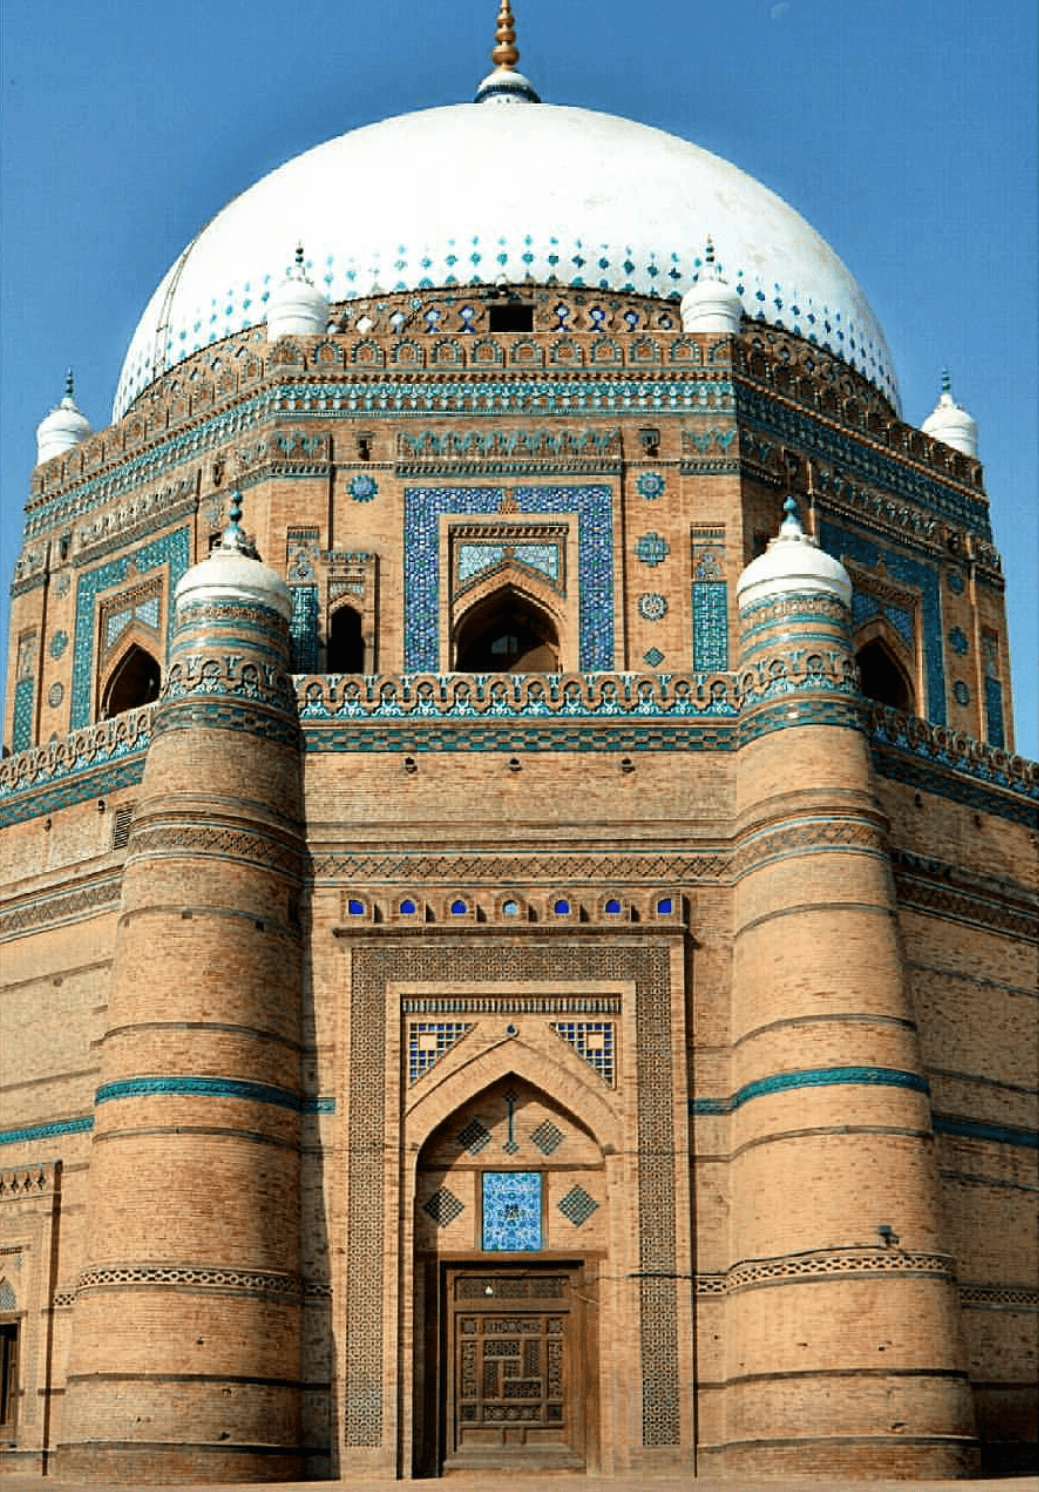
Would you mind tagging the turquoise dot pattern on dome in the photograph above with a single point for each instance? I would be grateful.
(638, 228)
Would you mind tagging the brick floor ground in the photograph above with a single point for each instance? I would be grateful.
(531, 1483)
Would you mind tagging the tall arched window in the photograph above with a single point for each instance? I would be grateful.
(507, 634)
(883, 677)
(345, 651)
(133, 683)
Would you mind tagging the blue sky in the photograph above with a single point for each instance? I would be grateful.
(903, 130)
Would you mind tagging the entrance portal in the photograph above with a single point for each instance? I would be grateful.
(515, 1370)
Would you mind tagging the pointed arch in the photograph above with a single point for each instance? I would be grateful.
(507, 632)
(134, 681)
(883, 675)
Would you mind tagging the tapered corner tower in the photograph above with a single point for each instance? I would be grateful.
(842, 1274)
(190, 1287)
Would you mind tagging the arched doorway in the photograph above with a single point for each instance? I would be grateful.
(882, 677)
(510, 1231)
(507, 633)
(134, 682)
(345, 650)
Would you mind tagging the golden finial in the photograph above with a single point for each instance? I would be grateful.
(505, 54)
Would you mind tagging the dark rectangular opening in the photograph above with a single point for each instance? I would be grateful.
(512, 318)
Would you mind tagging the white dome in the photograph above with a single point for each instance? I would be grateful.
(296, 307)
(232, 572)
(62, 429)
(793, 564)
(535, 193)
(950, 422)
(711, 305)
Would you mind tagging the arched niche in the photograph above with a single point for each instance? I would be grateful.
(511, 1227)
(345, 651)
(884, 676)
(133, 682)
(507, 632)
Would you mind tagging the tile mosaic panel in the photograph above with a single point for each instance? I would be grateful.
(171, 550)
(423, 585)
(923, 577)
(24, 698)
(475, 558)
(303, 628)
(511, 1211)
(995, 733)
(710, 626)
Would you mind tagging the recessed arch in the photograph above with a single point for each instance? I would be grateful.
(345, 650)
(133, 682)
(507, 632)
(883, 675)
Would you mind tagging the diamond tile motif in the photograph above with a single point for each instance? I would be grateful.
(654, 657)
(547, 1137)
(474, 1137)
(577, 1206)
(443, 1207)
(428, 1041)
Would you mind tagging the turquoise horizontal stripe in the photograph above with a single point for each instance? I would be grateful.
(31, 1132)
(813, 1077)
(192, 1087)
(972, 1129)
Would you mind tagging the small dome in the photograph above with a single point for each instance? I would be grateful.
(792, 564)
(233, 572)
(950, 422)
(296, 308)
(63, 428)
(711, 304)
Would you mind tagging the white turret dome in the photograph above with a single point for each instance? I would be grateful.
(296, 307)
(63, 428)
(793, 564)
(232, 572)
(711, 305)
(533, 193)
(950, 422)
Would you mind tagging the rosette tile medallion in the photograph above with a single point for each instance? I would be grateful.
(536, 972)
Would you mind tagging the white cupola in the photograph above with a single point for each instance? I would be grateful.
(233, 572)
(63, 428)
(793, 564)
(711, 305)
(950, 422)
(296, 307)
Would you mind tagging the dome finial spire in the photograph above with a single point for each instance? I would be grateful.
(946, 382)
(70, 385)
(505, 53)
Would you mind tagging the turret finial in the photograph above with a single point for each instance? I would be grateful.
(70, 385)
(791, 526)
(505, 54)
(299, 256)
(233, 539)
(709, 252)
(946, 382)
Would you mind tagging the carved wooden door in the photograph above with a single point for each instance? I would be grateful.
(514, 1392)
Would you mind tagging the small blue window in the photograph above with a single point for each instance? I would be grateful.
(408, 908)
(664, 906)
(613, 907)
(562, 909)
(458, 909)
(510, 909)
(355, 908)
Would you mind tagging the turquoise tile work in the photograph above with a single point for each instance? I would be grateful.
(172, 550)
(511, 1211)
(423, 584)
